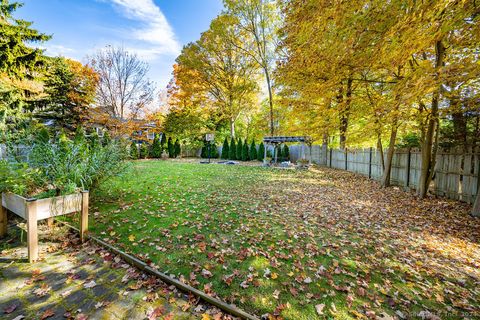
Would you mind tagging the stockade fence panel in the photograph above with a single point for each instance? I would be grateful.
(455, 175)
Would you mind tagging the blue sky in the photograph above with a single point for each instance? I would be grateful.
(155, 29)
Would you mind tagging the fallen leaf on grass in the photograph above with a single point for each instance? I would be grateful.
(90, 284)
(10, 309)
(319, 308)
(47, 314)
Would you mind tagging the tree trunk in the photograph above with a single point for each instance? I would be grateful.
(387, 169)
(428, 156)
(344, 112)
(380, 149)
(232, 128)
(270, 101)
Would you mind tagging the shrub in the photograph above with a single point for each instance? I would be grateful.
(133, 151)
(64, 166)
(253, 151)
(106, 139)
(261, 152)
(245, 152)
(286, 153)
(233, 150)
(94, 140)
(238, 152)
(143, 151)
(170, 148)
(163, 141)
(156, 149)
(177, 148)
(225, 150)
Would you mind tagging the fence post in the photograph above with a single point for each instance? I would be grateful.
(370, 163)
(84, 216)
(32, 231)
(331, 152)
(346, 159)
(409, 158)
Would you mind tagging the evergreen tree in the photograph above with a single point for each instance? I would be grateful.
(163, 141)
(143, 151)
(204, 152)
(213, 151)
(225, 150)
(171, 148)
(133, 151)
(106, 139)
(17, 54)
(286, 153)
(261, 152)
(177, 148)
(238, 152)
(253, 151)
(233, 150)
(156, 149)
(245, 153)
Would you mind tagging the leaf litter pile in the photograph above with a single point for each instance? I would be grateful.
(296, 245)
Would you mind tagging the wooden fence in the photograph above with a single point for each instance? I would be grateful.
(456, 173)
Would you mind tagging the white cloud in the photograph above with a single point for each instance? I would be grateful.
(57, 50)
(154, 30)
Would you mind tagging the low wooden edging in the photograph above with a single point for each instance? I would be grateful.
(184, 287)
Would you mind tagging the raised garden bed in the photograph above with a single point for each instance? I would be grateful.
(34, 210)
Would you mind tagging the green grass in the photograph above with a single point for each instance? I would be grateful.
(239, 221)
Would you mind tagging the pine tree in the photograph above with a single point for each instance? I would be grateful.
(163, 141)
(245, 153)
(177, 148)
(213, 151)
(225, 150)
(253, 151)
(286, 153)
(239, 150)
(233, 150)
(133, 151)
(171, 148)
(17, 54)
(156, 148)
(143, 150)
(261, 152)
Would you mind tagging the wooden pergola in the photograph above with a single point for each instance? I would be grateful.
(275, 141)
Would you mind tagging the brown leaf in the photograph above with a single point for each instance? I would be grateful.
(47, 314)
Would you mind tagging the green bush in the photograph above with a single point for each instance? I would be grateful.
(261, 152)
(233, 150)
(286, 153)
(143, 151)
(64, 166)
(156, 149)
(106, 139)
(225, 150)
(177, 148)
(133, 151)
(245, 152)
(253, 151)
(170, 148)
(238, 152)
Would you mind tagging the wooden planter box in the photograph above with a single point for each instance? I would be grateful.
(34, 210)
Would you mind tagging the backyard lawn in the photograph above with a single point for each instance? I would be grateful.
(299, 245)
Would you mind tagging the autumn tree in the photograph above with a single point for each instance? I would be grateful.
(70, 87)
(215, 64)
(124, 89)
(258, 20)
